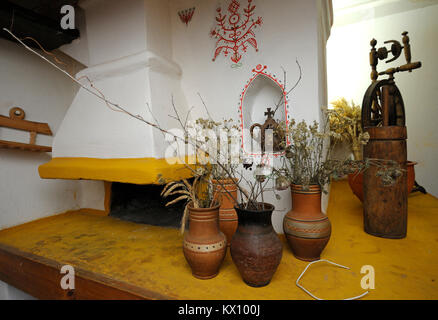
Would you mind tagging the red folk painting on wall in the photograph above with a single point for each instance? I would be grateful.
(235, 31)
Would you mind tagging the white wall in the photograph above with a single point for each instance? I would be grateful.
(44, 94)
(349, 77)
(289, 31)
(129, 46)
(158, 28)
(114, 29)
(78, 48)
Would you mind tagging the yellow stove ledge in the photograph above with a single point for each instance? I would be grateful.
(131, 170)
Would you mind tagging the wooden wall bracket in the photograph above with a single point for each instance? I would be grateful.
(16, 121)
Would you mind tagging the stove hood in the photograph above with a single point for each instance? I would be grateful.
(130, 62)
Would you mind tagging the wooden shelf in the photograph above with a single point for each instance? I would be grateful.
(30, 126)
(16, 121)
(24, 146)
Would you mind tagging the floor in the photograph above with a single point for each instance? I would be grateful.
(151, 257)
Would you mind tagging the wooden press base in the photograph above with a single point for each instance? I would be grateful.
(123, 260)
(384, 235)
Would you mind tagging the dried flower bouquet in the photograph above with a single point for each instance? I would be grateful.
(307, 158)
(345, 123)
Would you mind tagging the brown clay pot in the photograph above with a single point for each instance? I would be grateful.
(356, 180)
(256, 249)
(227, 213)
(306, 228)
(204, 244)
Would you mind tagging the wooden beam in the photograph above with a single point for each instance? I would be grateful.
(41, 278)
(25, 125)
(28, 23)
(108, 194)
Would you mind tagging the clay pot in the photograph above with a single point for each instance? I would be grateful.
(356, 180)
(306, 228)
(227, 214)
(204, 244)
(256, 249)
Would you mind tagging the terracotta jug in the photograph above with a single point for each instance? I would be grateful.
(227, 214)
(307, 229)
(355, 180)
(204, 244)
(256, 249)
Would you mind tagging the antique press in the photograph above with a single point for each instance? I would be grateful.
(383, 117)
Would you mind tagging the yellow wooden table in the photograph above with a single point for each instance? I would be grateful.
(117, 259)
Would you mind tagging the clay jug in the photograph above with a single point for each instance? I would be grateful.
(256, 249)
(227, 214)
(306, 228)
(355, 180)
(204, 244)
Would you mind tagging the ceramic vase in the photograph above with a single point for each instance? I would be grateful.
(306, 228)
(355, 180)
(223, 192)
(256, 249)
(204, 244)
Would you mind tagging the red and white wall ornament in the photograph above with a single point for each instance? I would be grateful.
(235, 31)
(186, 15)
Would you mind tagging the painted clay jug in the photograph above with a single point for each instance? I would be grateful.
(256, 249)
(204, 244)
(224, 191)
(306, 228)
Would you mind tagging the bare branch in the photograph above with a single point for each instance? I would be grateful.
(205, 106)
(293, 87)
